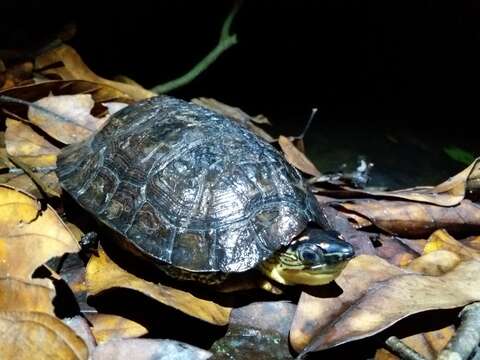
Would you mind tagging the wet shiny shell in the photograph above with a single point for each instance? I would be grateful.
(188, 186)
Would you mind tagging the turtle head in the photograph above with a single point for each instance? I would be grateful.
(316, 257)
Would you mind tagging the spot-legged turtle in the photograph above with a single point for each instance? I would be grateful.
(201, 196)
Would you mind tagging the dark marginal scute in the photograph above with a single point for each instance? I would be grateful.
(189, 187)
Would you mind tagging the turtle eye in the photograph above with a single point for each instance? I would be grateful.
(310, 256)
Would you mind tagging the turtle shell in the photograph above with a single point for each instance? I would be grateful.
(188, 187)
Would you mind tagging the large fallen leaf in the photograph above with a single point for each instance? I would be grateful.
(24, 143)
(147, 349)
(82, 328)
(26, 295)
(414, 219)
(75, 69)
(441, 240)
(367, 307)
(296, 158)
(66, 118)
(103, 274)
(24, 182)
(29, 235)
(28, 335)
(238, 115)
(465, 184)
(106, 327)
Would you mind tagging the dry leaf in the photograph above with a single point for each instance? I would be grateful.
(106, 327)
(27, 335)
(24, 182)
(147, 349)
(296, 158)
(413, 219)
(441, 240)
(75, 69)
(82, 328)
(27, 145)
(448, 193)
(366, 308)
(102, 274)
(29, 236)
(26, 295)
(238, 115)
(435, 263)
(68, 118)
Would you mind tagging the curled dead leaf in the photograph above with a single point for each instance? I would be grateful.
(414, 219)
(102, 274)
(106, 327)
(73, 68)
(25, 183)
(66, 118)
(376, 307)
(27, 334)
(24, 143)
(296, 158)
(441, 240)
(29, 235)
(26, 295)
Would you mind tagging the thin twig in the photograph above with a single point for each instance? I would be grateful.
(467, 337)
(226, 41)
(402, 350)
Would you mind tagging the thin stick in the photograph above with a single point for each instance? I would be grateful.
(402, 350)
(226, 41)
(467, 337)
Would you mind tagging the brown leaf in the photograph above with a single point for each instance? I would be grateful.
(102, 274)
(24, 335)
(24, 143)
(412, 219)
(146, 349)
(82, 328)
(16, 75)
(75, 69)
(373, 306)
(238, 115)
(441, 240)
(435, 263)
(26, 295)
(316, 316)
(67, 118)
(448, 193)
(29, 236)
(108, 327)
(296, 158)
(24, 182)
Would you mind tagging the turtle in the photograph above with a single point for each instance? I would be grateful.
(201, 196)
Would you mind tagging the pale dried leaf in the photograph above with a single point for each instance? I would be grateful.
(296, 158)
(24, 143)
(102, 274)
(29, 236)
(68, 118)
(24, 335)
(106, 327)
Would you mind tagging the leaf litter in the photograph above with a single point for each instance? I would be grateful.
(409, 261)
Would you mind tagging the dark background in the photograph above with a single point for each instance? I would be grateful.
(375, 68)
